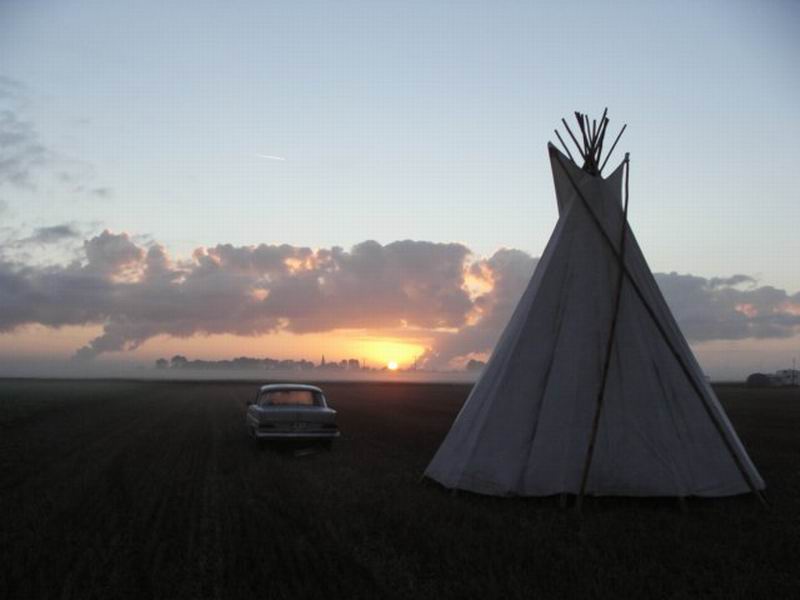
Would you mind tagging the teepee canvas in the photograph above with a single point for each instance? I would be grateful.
(592, 388)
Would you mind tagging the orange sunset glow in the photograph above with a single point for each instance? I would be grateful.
(374, 351)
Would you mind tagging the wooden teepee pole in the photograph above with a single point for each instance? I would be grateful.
(601, 393)
(564, 145)
(569, 131)
(614, 145)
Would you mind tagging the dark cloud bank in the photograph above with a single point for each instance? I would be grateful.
(439, 292)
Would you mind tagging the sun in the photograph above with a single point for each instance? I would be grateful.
(391, 365)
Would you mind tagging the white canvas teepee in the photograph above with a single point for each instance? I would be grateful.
(592, 388)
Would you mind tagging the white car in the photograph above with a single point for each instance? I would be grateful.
(291, 411)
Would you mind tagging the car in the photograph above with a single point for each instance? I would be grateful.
(291, 412)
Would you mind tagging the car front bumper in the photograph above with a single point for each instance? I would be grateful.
(295, 435)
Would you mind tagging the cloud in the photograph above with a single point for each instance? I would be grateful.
(111, 254)
(138, 293)
(11, 88)
(101, 192)
(25, 158)
(713, 309)
(51, 235)
(716, 282)
(22, 154)
(437, 292)
(372, 286)
(502, 278)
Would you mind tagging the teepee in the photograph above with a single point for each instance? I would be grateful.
(592, 389)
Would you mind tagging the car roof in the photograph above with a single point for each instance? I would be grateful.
(272, 387)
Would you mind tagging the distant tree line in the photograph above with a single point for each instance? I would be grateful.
(475, 366)
(179, 362)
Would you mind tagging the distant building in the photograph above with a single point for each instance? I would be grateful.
(786, 377)
(781, 378)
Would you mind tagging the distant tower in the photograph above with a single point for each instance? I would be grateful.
(322, 364)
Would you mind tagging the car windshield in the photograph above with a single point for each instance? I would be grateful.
(289, 398)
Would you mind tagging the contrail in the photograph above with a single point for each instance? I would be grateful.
(269, 156)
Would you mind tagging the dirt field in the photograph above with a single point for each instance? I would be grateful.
(152, 490)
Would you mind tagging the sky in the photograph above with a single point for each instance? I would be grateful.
(162, 161)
